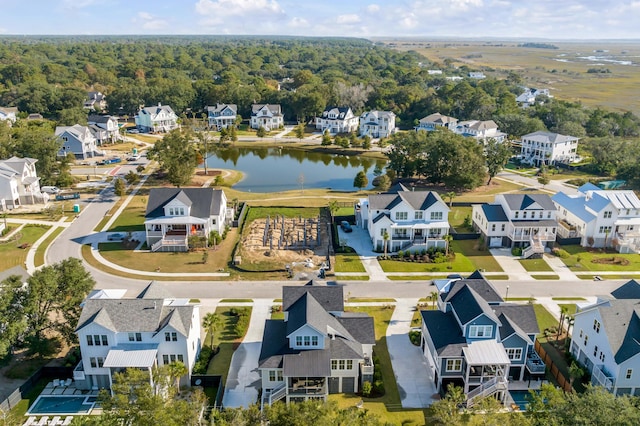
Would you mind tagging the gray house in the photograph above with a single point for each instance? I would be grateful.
(77, 140)
(317, 349)
(478, 342)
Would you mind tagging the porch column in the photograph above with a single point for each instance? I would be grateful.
(466, 379)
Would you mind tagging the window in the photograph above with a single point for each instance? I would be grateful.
(595, 350)
(524, 214)
(629, 373)
(105, 341)
(586, 339)
(383, 231)
(170, 336)
(596, 325)
(96, 339)
(601, 356)
(581, 333)
(314, 340)
(503, 227)
(436, 215)
(480, 330)
(307, 340)
(517, 215)
(454, 365)
(334, 364)
(540, 215)
(92, 360)
(349, 364)
(181, 358)
(89, 340)
(493, 227)
(402, 215)
(170, 211)
(96, 362)
(514, 354)
(607, 215)
(548, 215)
(298, 340)
(341, 364)
(165, 359)
(419, 215)
(135, 337)
(275, 375)
(605, 229)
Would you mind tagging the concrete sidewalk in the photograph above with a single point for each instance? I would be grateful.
(243, 381)
(559, 267)
(359, 240)
(413, 374)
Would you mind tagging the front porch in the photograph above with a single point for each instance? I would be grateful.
(423, 235)
(172, 233)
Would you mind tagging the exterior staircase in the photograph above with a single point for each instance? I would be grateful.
(535, 247)
(273, 395)
(486, 389)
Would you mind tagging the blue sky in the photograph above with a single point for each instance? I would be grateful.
(551, 19)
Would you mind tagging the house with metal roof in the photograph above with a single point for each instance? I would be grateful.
(477, 341)
(148, 331)
(517, 220)
(600, 218)
(547, 148)
(267, 116)
(481, 131)
(418, 219)
(377, 124)
(175, 214)
(436, 120)
(222, 116)
(317, 349)
(606, 340)
(154, 119)
(337, 120)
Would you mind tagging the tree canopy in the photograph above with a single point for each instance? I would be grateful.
(177, 154)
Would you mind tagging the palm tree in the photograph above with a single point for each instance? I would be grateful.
(176, 370)
(563, 313)
(434, 297)
(447, 239)
(211, 322)
(450, 195)
(385, 240)
(575, 372)
(333, 208)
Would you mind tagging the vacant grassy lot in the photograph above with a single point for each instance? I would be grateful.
(457, 215)
(459, 264)
(132, 217)
(486, 193)
(388, 407)
(481, 259)
(227, 339)
(535, 265)
(348, 262)
(582, 260)
(10, 252)
(262, 212)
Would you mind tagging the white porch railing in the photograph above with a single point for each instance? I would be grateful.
(274, 395)
(486, 389)
(602, 378)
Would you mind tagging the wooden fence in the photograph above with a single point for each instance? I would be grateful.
(555, 372)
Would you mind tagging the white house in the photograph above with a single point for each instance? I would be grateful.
(546, 148)
(605, 340)
(528, 96)
(317, 349)
(478, 342)
(267, 116)
(77, 140)
(159, 118)
(175, 214)
(477, 75)
(517, 220)
(436, 120)
(480, 130)
(337, 120)
(600, 218)
(377, 124)
(148, 331)
(19, 183)
(9, 114)
(105, 128)
(222, 116)
(96, 101)
(410, 219)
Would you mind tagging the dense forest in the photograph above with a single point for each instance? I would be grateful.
(52, 75)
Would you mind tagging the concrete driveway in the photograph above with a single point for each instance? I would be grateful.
(243, 380)
(413, 373)
(360, 241)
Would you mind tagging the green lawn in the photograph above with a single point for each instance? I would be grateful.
(42, 248)
(586, 257)
(132, 217)
(457, 215)
(412, 277)
(10, 252)
(388, 407)
(348, 262)
(344, 211)
(481, 259)
(545, 277)
(226, 339)
(459, 264)
(535, 265)
(571, 307)
(262, 212)
(545, 319)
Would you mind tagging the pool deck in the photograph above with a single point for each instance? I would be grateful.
(61, 391)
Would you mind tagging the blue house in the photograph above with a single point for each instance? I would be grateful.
(478, 342)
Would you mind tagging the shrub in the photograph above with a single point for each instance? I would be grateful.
(516, 251)
(561, 253)
(378, 387)
(400, 254)
(202, 363)
(415, 337)
(366, 388)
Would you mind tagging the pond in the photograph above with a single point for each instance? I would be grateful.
(274, 169)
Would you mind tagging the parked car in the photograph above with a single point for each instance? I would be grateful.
(454, 277)
(50, 189)
(346, 227)
(134, 157)
(115, 237)
(597, 278)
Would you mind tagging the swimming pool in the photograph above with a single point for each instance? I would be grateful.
(62, 404)
(520, 397)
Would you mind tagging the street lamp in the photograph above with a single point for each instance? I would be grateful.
(507, 295)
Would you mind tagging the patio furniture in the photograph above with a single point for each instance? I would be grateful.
(43, 421)
(67, 420)
(55, 421)
(30, 421)
(68, 382)
(56, 382)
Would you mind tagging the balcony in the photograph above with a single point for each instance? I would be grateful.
(78, 372)
(601, 377)
(307, 386)
(535, 365)
(566, 230)
(366, 368)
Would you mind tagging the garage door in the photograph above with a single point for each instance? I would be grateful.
(495, 242)
(334, 385)
(348, 384)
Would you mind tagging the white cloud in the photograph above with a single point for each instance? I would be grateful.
(297, 22)
(78, 4)
(216, 11)
(349, 19)
(373, 8)
(149, 22)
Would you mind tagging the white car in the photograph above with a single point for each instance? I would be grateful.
(134, 157)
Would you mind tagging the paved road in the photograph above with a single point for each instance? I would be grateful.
(553, 186)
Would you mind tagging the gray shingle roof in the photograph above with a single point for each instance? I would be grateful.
(154, 290)
(542, 136)
(204, 201)
(418, 200)
(621, 324)
(523, 201)
(307, 310)
(522, 315)
(274, 344)
(468, 304)
(445, 332)
(221, 107)
(274, 108)
(360, 327)
(315, 363)
(330, 297)
(628, 290)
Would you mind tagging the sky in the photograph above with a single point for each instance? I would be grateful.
(548, 19)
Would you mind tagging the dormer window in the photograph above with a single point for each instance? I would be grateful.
(176, 211)
(607, 214)
(480, 330)
(517, 215)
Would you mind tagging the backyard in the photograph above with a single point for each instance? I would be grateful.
(233, 326)
(583, 259)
